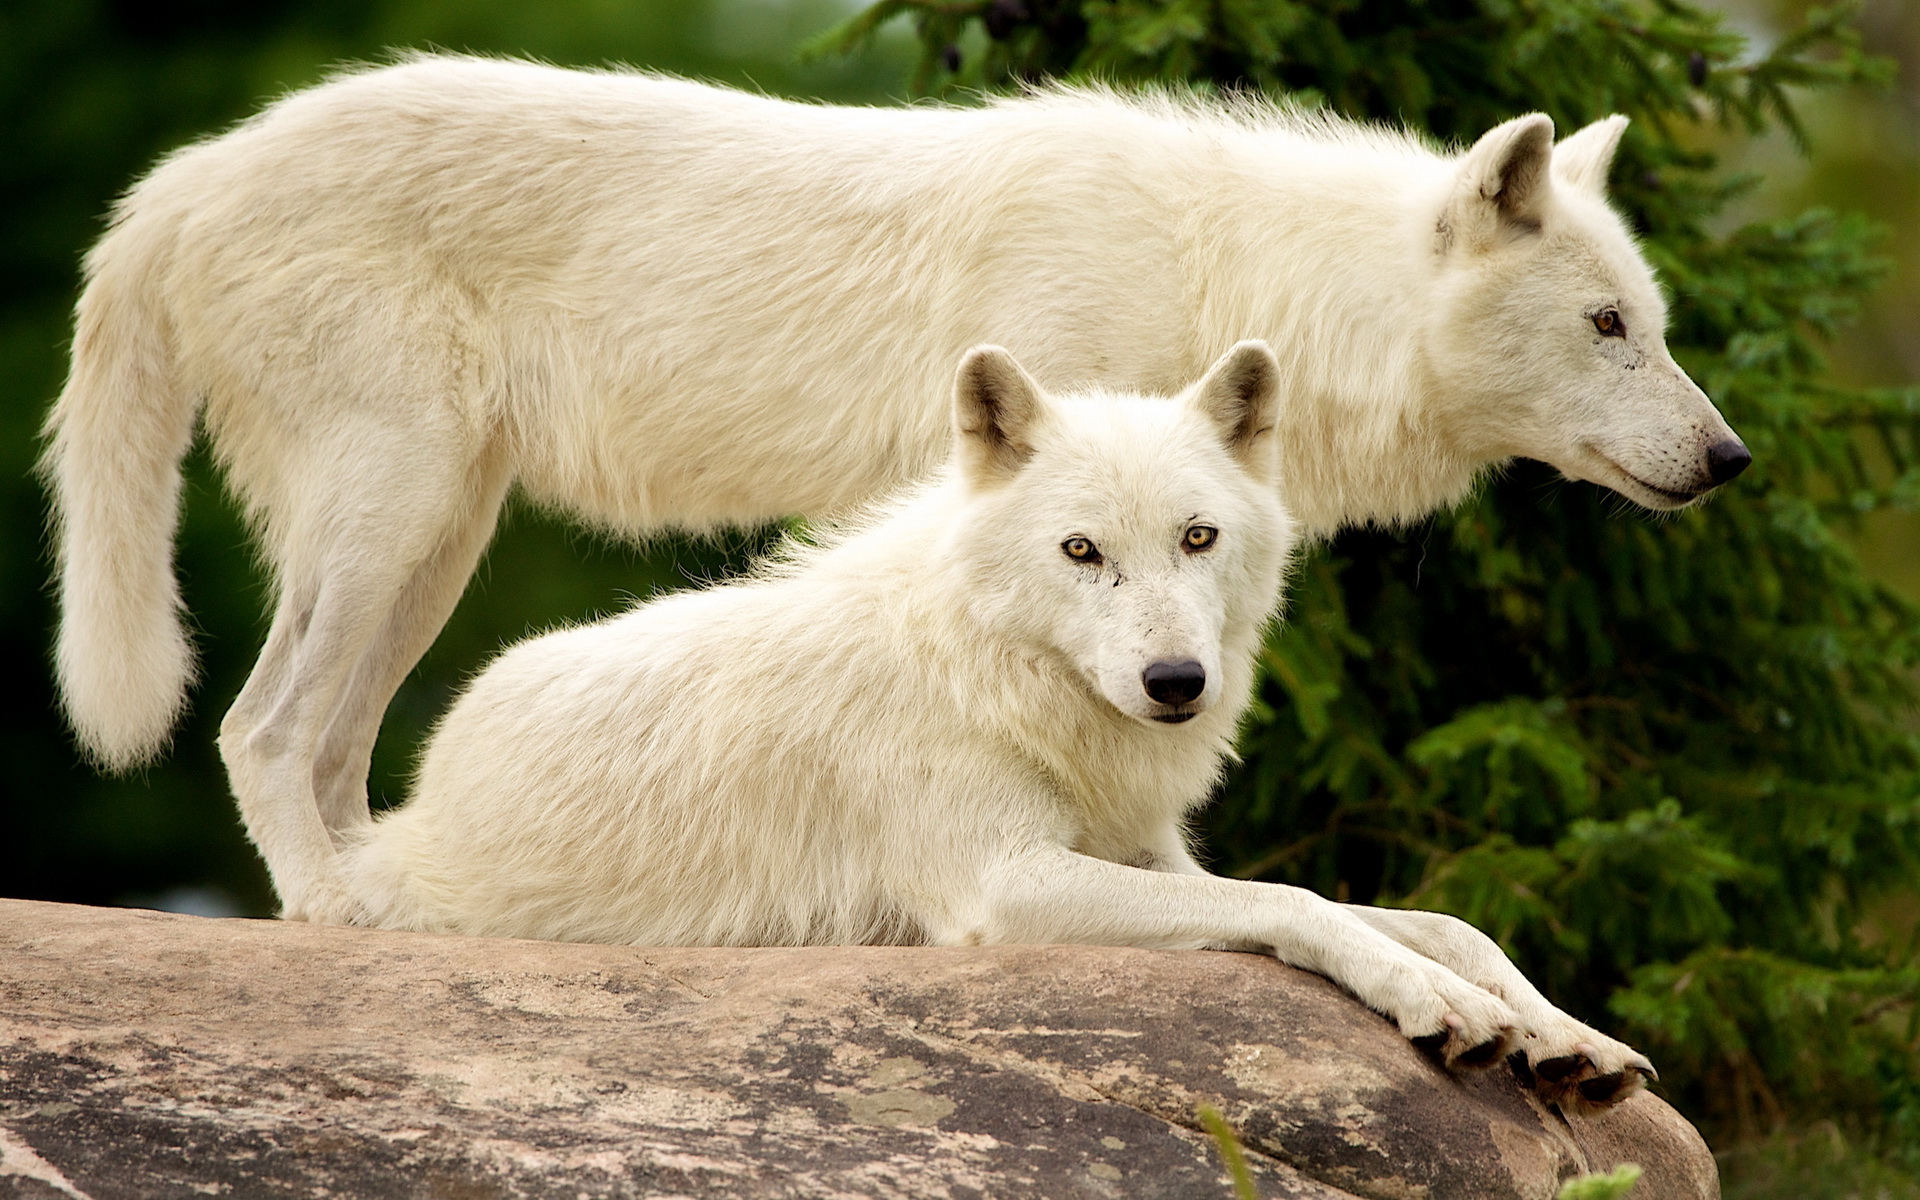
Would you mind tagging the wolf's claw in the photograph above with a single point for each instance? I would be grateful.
(1609, 1089)
(1488, 1052)
(1558, 1070)
(1573, 1080)
(1449, 1048)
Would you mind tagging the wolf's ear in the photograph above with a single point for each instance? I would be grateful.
(1240, 394)
(995, 404)
(1503, 182)
(1581, 159)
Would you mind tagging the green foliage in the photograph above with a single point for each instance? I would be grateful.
(1232, 1155)
(1670, 763)
(1819, 1163)
(1611, 1186)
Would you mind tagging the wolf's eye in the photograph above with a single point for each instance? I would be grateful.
(1608, 322)
(1079, 549)
(1200, 537)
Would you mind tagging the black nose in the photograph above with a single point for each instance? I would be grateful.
(1175, 682)
(1727, 459)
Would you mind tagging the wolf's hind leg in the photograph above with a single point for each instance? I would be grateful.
(366, 515)
(1567, 1060)
(345, 754)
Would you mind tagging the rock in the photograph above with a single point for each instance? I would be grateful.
(147, 1054)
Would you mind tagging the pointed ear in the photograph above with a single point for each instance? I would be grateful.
(1503, 182)
(995, 405)
(1240, 394)
(1581, 159)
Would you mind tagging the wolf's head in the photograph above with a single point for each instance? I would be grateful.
(1138, 541)
(1547, 330)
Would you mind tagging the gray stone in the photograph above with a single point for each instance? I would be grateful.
(150, 1055)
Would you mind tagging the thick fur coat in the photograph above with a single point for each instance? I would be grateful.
(980, 716)
(654, 303)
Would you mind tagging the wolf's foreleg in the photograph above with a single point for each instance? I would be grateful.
(1051, 894)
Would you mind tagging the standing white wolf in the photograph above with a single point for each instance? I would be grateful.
(982, 716)
(654, 303)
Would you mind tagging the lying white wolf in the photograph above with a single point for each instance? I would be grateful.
(982, 717)
(656, 303)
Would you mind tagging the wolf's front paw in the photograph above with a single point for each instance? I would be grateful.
(1463, 1026)
(325, 904)
(1576, 1066)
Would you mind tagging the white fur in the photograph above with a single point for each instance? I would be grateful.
(655, 303)
(935, 729)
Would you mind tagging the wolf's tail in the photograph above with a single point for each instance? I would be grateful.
(114, 442)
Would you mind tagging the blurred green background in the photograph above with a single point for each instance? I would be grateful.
(1865, 158)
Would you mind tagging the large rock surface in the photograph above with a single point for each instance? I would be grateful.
(144, 1054)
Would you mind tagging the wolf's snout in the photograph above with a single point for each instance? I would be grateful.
(1174, 682)
(1727, 459)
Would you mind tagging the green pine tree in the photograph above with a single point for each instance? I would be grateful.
(1671, 764)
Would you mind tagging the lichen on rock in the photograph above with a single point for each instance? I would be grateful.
(148, 1054)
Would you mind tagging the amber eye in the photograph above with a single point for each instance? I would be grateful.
(1200, 537)
(1608, 322)
(1079, 549)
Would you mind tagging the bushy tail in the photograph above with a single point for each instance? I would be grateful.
(112, 463)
